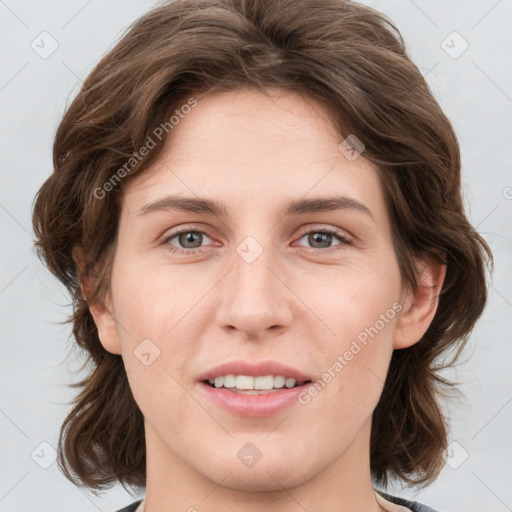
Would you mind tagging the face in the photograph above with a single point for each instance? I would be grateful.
(316, 290)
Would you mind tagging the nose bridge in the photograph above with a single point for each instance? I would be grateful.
(253, 298)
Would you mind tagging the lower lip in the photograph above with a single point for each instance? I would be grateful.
(253, 406)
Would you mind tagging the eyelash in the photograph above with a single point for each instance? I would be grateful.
(344, 241)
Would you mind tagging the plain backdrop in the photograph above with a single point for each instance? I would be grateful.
(48, 48)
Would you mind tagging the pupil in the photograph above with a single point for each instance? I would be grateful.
(189, 237)
(317, 237)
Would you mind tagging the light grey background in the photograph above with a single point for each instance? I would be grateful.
(475, 90)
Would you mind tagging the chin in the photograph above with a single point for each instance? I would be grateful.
(260, 481)
(274, 474)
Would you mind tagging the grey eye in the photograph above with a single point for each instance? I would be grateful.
(194, 238)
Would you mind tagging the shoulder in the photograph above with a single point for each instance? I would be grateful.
(412, 505)
(131, 508)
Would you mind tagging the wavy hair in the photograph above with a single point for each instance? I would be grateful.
(343, 54)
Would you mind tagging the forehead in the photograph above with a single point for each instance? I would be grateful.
(247, 146)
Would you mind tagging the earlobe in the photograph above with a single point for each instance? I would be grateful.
(103, 317)
(420, 305)
(107, 327)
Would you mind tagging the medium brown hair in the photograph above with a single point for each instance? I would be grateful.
(343, 54)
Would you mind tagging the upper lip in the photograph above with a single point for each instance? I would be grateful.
(259, 369)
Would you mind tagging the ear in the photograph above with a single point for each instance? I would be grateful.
(102, 313)
(420, 305)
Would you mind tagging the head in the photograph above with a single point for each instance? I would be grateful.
(267, 112)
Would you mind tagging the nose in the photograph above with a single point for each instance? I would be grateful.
(254, 297)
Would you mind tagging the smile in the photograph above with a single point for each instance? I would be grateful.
(248, 384)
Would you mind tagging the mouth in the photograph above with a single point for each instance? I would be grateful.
(250, 385)
(252, 402)
(253, 389)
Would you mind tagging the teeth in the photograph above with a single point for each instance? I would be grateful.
(247, 382)
(279, 381)
(289, 382)
(244, 382)
(229, 381)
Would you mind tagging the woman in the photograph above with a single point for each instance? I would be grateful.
(257, 211)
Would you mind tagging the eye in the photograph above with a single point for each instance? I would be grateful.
(189, 239)
(323, 239)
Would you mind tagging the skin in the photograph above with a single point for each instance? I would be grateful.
(293, 304)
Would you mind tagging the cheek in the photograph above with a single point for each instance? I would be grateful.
(151, 300)
(157, 312)
(362, 317)
(363, 304)
(354, 374)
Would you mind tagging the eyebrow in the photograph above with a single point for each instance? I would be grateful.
(218, 209)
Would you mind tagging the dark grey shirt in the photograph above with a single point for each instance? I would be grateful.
(412, 505)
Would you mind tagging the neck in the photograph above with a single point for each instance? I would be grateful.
(343, 486)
